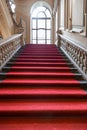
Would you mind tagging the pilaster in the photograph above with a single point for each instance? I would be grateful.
(85, 11)
(86, 24)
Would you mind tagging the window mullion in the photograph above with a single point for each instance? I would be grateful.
(36, 31)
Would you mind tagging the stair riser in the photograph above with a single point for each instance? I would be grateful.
(38, 114)
(39, 54)
(38, 60)
(38, 84)
(42, 65)
(41, 57)
(41, 97)
(59, 77)
(39, 70)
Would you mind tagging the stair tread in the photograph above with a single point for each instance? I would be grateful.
(27, 56)
(65, 123)
(59, 106)
(53, 81)
(41, 73)
(39, 67)
(40, 60)
(47, 64)
(40, 63)
(43, 91)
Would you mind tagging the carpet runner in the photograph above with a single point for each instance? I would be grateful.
(40, 89)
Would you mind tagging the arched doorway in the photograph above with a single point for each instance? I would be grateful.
(41, 30)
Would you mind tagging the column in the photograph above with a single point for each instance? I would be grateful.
(65, 14)
(85, 12)
(86, 24)
(70, 15)
(53, 29)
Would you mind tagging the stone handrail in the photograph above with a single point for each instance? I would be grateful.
(75, 52)
(9, 47)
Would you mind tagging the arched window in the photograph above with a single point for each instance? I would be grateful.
(12, 5)
(41, 26)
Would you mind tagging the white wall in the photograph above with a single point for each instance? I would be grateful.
(77, 13)
(62, 14)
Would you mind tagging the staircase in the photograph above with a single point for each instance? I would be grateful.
(40, 89)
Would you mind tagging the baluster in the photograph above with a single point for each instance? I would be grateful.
(73, 53)
(75, 56)
(8, 49)
(71, 50)
(67, 46)
(5, 51)
(0, 56)
(79, 55)
(85, 64)
(81, 60)
(3, 58)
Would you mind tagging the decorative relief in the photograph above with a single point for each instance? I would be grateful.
(17, 26)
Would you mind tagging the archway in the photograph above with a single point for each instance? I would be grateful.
(41, 19)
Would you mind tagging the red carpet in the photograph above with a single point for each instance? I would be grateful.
(43, 124)
(41, 90)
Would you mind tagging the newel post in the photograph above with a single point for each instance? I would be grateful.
(22, 40)
(59, 38)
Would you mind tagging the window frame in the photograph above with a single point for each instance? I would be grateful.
(45, 29)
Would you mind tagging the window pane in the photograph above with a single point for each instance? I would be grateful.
(12, 5)
(13, 8)
(48, 13)
(48, 42)
(41, 41)
(41, 15)
(41, 9)
(34, 23)
(34, 34)
(48, 34)
(41, 23)
(48, 24)
(37, 10)
(41, 34)
(34, 41)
